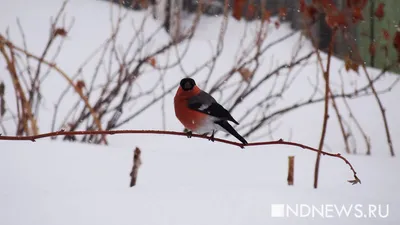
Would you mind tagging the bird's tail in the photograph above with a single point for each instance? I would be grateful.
(224, 124)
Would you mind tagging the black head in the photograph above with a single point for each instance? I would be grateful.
(187, 84)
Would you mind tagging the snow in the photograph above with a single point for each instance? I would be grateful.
(185, 181)
(196, 183)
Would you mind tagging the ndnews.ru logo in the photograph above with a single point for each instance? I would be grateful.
(330, 210)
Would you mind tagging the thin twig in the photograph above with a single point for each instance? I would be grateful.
(345, 135)
(137, 162)
(377, 98)
(326, 108)
(26, 108)
(55, 67)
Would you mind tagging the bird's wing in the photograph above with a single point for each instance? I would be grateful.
(205, 103)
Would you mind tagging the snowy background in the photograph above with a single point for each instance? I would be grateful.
(184, 181)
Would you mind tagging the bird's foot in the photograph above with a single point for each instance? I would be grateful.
(211, 138)
(189, 134)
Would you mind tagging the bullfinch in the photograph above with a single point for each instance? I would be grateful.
(199, 112)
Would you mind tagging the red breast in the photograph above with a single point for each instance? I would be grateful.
(191, 119)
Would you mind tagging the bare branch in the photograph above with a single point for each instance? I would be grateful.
(278, 142)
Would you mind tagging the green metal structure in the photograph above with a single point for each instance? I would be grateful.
(372, 29)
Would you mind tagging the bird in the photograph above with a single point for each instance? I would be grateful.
(199, 112)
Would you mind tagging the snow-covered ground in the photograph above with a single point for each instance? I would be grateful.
(193, 182)
(185, 181)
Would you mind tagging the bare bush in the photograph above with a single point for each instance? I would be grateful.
(107, 98)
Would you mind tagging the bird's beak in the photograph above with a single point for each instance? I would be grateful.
(188, 85)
